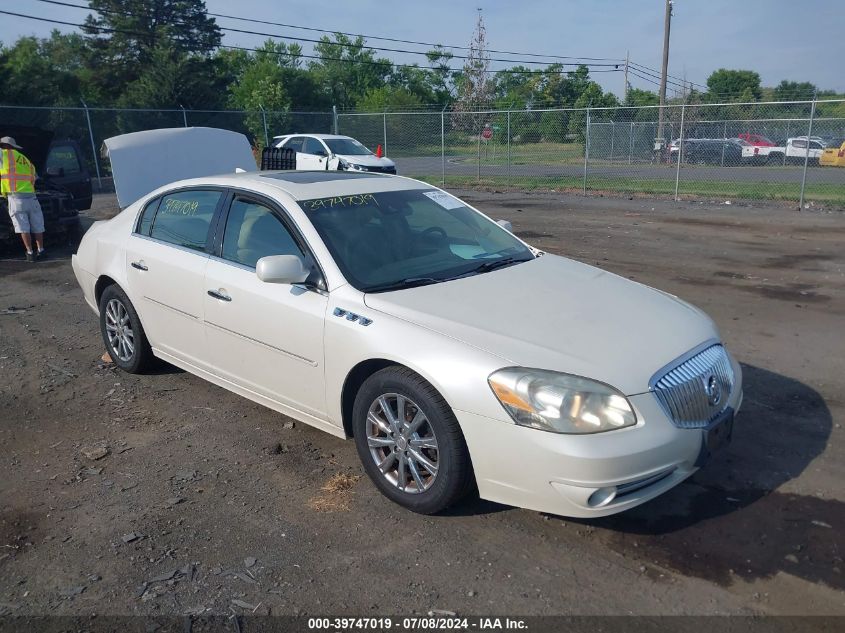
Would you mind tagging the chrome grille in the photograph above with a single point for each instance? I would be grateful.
(688, 392)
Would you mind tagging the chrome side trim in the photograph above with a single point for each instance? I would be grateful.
(633, 486)
(178, 311)
(351, 316)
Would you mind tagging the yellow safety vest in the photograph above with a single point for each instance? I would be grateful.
(17, 174)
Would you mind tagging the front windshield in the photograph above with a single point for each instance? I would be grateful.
(391, 239)
(346, 147)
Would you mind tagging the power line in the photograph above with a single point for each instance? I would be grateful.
(286, 55)
(656, 72)
(342, 44)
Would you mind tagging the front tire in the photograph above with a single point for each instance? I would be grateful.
(409, 441)
(122, 332)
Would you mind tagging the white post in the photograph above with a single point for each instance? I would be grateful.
(264, 121)
(93, 146)
(806, 153)
(586, 151)
(509, 148)
(384, 122)
(680, 151)
(443, 144)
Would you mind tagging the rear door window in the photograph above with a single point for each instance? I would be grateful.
(184, 218)
(295, 143)
(314, 146)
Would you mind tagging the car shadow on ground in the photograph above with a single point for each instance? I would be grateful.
(731, 519)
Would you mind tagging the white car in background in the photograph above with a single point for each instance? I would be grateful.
(331, 151)
(387, 310)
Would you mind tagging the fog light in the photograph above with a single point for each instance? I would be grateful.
(602, 497)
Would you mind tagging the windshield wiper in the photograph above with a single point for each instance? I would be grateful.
(410, 282)
(494, 264)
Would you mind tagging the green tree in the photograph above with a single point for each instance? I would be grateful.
(733, 85)
(124, 35)
(637, 98)
(793, 91)
(347, 70)
(389, 98)
(261, 83)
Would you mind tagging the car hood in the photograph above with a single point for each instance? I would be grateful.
(142, 162)
(558, 314)
(368, 160)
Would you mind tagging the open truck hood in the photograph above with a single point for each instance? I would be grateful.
(34, 141)
(142, 162)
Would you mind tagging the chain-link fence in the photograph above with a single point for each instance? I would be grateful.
(791, 150)
(718, 151)
(89, 127)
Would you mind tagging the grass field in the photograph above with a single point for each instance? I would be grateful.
(827, 193)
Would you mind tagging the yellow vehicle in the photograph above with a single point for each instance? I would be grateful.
(834, 154)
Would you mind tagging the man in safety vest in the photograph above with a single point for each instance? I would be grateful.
(17, 184)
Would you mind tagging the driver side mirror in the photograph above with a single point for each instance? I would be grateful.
(281, 269)
(505, 224)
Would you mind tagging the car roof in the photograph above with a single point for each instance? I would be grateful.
(322, 136)
(308, 185)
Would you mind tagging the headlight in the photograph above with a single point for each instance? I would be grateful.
(560, 403)
(342, 163)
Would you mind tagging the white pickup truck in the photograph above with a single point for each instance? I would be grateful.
(794, 152)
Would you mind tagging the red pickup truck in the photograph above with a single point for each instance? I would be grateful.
(756, 140)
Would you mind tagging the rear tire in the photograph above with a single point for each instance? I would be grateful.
(122, 332)
(401, 422)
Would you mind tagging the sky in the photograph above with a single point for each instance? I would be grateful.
(780, 39)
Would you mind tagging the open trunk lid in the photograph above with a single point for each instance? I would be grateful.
(144, 161)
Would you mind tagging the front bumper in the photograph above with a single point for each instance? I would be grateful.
(584, 475)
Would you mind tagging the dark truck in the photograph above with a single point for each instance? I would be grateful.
(63, 186)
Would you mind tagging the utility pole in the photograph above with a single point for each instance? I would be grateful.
(625, 93)
(667, 24)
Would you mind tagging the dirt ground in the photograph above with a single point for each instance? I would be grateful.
(206, 503)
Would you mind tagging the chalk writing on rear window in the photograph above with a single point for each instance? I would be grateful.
(180, 207)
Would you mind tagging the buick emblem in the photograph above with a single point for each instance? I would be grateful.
(713, 390)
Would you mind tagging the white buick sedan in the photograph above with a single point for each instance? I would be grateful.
(385, 310)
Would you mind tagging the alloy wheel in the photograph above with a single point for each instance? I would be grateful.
(402, 443)
(119, 330)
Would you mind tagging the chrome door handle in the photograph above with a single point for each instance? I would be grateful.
(139, 265)
(219, 295)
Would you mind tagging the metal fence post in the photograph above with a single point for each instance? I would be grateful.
(785, 140)
(723, 145)
(384, 123)
(264, 122)
(612, 137)
(443, 144)
(806, 153)
(631, 144)
(184, 115)
(509, 148)
(586, 150)
(478, 172)
(93, 146)
(334, 119)
(680, 151)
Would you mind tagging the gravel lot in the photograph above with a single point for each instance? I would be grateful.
(204, 502)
